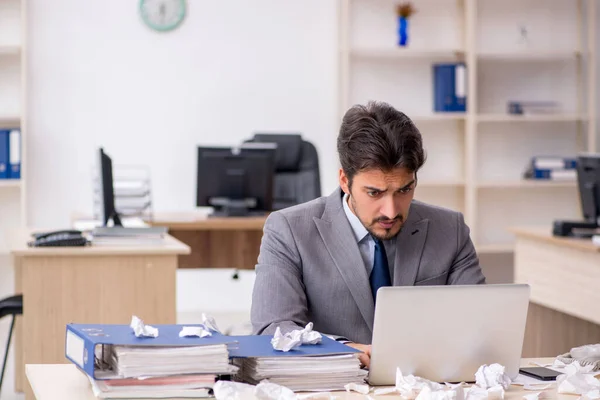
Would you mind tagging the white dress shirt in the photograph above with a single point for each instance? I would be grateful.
(366, 244)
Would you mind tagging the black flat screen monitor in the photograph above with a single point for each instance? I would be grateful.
(236, 181)
(108, 210)
(588, 177)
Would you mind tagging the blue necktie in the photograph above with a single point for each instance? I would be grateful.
(380, 275)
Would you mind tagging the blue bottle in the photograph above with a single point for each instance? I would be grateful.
(402, 31)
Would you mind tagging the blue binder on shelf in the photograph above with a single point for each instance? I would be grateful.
(450, 87)
(82, 340)
(553, 162)
(260, 346)
(4, 154)
(14, 167)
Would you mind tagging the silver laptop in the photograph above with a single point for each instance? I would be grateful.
(445, 333)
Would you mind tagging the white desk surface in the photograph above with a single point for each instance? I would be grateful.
(66, 382)
(18, 247)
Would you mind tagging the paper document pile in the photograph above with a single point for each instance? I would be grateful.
(155, 387)
(171, 371)
(128, 236)
(135, 362)
(144, 361)
(321, 373)
(324, 366)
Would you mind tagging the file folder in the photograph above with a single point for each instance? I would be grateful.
(450, 87)
(260, 346)
(14, 171)
(84, 340)
(4, 156)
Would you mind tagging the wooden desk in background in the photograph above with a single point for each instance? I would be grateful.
(215, 242)
(564, 274)
(92, 284)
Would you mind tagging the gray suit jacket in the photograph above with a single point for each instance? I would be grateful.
(310, 268)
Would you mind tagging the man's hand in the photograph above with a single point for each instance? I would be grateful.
(365, 357)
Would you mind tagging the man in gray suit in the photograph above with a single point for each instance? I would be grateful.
(323, 261)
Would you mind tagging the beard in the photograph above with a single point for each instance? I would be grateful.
(388, 233)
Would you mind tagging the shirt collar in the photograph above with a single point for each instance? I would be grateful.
(357, 227)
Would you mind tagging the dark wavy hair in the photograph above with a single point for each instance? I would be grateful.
(377, 136)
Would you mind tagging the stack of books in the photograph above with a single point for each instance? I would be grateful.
(124, 365)
(326, 366)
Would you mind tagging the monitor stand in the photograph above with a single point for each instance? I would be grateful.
(235, 208)
(582, 229)
(116, 219)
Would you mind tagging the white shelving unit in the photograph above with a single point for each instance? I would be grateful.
(12, 113)
(476, 159)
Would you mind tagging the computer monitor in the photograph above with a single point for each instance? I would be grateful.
(107, 194)
(588, 177)
(588, 182)
(236, 181)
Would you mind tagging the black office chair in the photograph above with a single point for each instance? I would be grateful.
(10, 306)
(297, 178)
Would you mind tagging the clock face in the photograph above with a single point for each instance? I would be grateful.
(162, 15)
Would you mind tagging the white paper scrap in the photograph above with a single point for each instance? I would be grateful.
(488, 376)
(295, 338)
(210, 323)
(191, 331)
(536, 396)
(142, 330)
(354, 387)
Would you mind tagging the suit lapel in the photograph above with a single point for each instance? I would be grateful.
(409, 248)
(336, 232)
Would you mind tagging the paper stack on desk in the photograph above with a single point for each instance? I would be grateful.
(142, 361)
(321, 373)
(326, 366)
(115, 236)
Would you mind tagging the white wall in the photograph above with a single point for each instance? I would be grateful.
(99, 77)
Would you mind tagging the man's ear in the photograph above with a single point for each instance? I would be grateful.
(344, 182)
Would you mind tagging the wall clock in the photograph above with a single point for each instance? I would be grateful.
(163, 15)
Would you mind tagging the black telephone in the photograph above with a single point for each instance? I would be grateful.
(59, 238)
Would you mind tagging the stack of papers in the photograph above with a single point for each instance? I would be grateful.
(155, 387)
(314, 373)
(135, 362)
(145, 361)
(326, 366)
(128, 236)
(159, 372)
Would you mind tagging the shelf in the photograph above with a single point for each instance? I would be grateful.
(10, 121)
(497, 248)
(406, 53)
(10, 50)
(530, 55)
(440, 184)
(526, 184)
(530, 117)
(10, 183)
(450, 116)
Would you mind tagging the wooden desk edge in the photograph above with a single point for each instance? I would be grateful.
(42, 373)
(541, 234)
(171, 246)
(211, 224)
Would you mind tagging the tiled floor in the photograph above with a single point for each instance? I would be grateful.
(191, 300)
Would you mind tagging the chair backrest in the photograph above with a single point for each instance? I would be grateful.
(297, 176)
